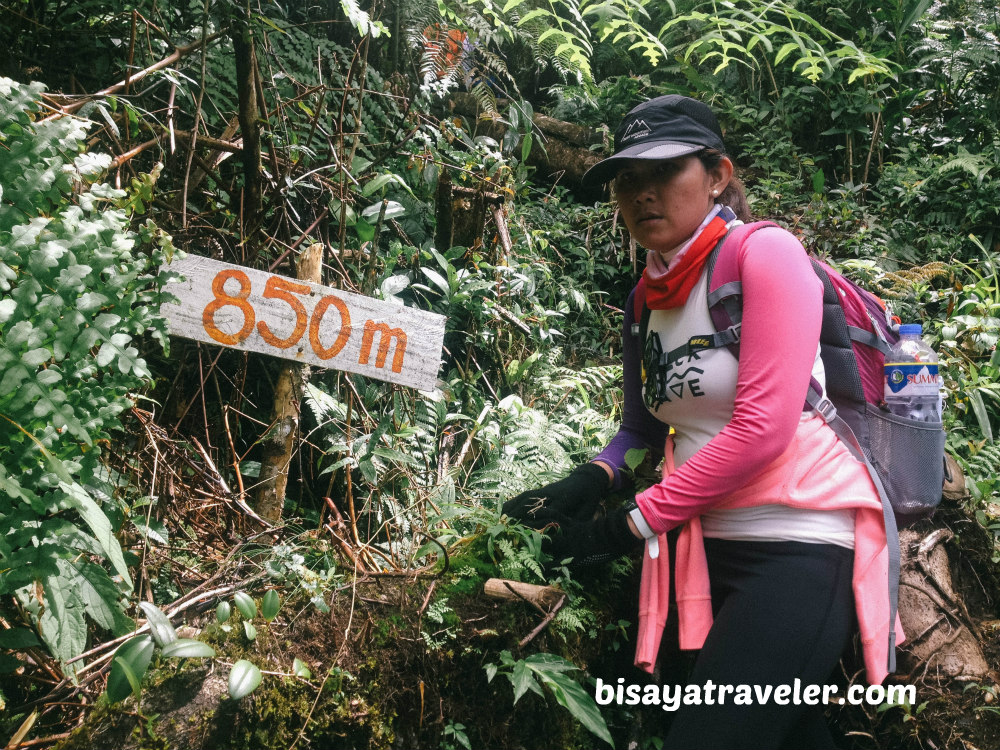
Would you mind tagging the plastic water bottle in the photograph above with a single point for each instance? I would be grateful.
(912, 383)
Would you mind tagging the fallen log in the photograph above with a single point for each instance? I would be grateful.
(542, 597)
(565, 152)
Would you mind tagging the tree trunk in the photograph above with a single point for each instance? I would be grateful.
(278, 442)
(246, 71)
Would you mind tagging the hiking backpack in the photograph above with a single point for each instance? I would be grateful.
(904, 457)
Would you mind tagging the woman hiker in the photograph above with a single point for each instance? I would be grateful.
(781, 546)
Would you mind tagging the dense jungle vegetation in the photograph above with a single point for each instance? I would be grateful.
(430, 152)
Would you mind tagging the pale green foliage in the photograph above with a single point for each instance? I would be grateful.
(746, 31)
(564, 32)
(77, 287)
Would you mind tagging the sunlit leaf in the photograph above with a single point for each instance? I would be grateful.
(160, 626)
(243, 679)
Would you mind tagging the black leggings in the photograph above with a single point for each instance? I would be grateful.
(783, 610)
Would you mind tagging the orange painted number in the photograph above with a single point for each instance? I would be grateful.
(279, 288)
(224, 299)
(317, 318)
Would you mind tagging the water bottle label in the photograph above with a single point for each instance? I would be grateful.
(917, 378)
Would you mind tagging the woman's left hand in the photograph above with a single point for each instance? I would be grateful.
(590, 542)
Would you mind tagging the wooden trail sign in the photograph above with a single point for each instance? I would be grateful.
(257, 311)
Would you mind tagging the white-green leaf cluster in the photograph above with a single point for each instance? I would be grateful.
(79, 286)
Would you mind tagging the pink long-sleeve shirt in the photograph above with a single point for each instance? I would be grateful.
(767, 453)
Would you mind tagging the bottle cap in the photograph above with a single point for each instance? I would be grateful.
(906, 328)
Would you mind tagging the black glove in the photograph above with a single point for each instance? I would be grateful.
(589, 543)
(575, 496)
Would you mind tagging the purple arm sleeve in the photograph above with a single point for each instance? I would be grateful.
(639, 428)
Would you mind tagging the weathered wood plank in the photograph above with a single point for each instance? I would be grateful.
(251, 310)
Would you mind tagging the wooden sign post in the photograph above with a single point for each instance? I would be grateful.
(256, 311)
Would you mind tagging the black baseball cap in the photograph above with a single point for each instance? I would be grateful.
(662, 128)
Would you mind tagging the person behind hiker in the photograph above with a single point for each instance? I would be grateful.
(781, 538)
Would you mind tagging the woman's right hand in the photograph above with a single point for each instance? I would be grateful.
(576, 496)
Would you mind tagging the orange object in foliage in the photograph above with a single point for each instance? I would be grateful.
(445, 45)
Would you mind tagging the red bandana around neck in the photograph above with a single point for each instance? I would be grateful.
(670, 290)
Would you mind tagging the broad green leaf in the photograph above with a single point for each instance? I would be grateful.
(98, 594)
(270, 605)
(243, 679)
(160, 627)
(154, 531)
(188, 648)
(438, 280)
(99, 523)
(523, 679)
(579, 703)
(60, 620)
(916, 9)
(376, 184)
(301, 669)
(635, 456)
(17, 638)
(223, 612)
(785, 51)
(245, 604)
(129, 666)
(547, 663)
(250, 630)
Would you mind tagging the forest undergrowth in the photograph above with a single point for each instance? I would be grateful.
(148, 599)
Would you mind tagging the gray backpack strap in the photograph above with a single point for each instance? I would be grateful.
(828, 411)
(869, 339)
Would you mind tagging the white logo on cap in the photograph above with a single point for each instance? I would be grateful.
(638, 129)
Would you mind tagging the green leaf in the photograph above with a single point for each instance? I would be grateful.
(17, 639)
(785, 51)
(243, 679)
(7, 308)
(98, 594)
(982, 417)
(635, 456)
(154, 531)
(250, 630)
(128, 667)
(523, 679)
(818, 181)
(393, 210)
(100, 524)
(915, 11)
(270, 605)
(245, 604)
(364, 230)
(188, 648)
(160, 627)
(223, 612)
(579, 703)
(61, 621)
(301, 669)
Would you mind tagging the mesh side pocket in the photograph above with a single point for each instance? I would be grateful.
(909, 458)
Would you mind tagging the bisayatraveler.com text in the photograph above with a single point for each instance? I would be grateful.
(672, 697)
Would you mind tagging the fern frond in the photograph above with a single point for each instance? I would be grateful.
(898, 284)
